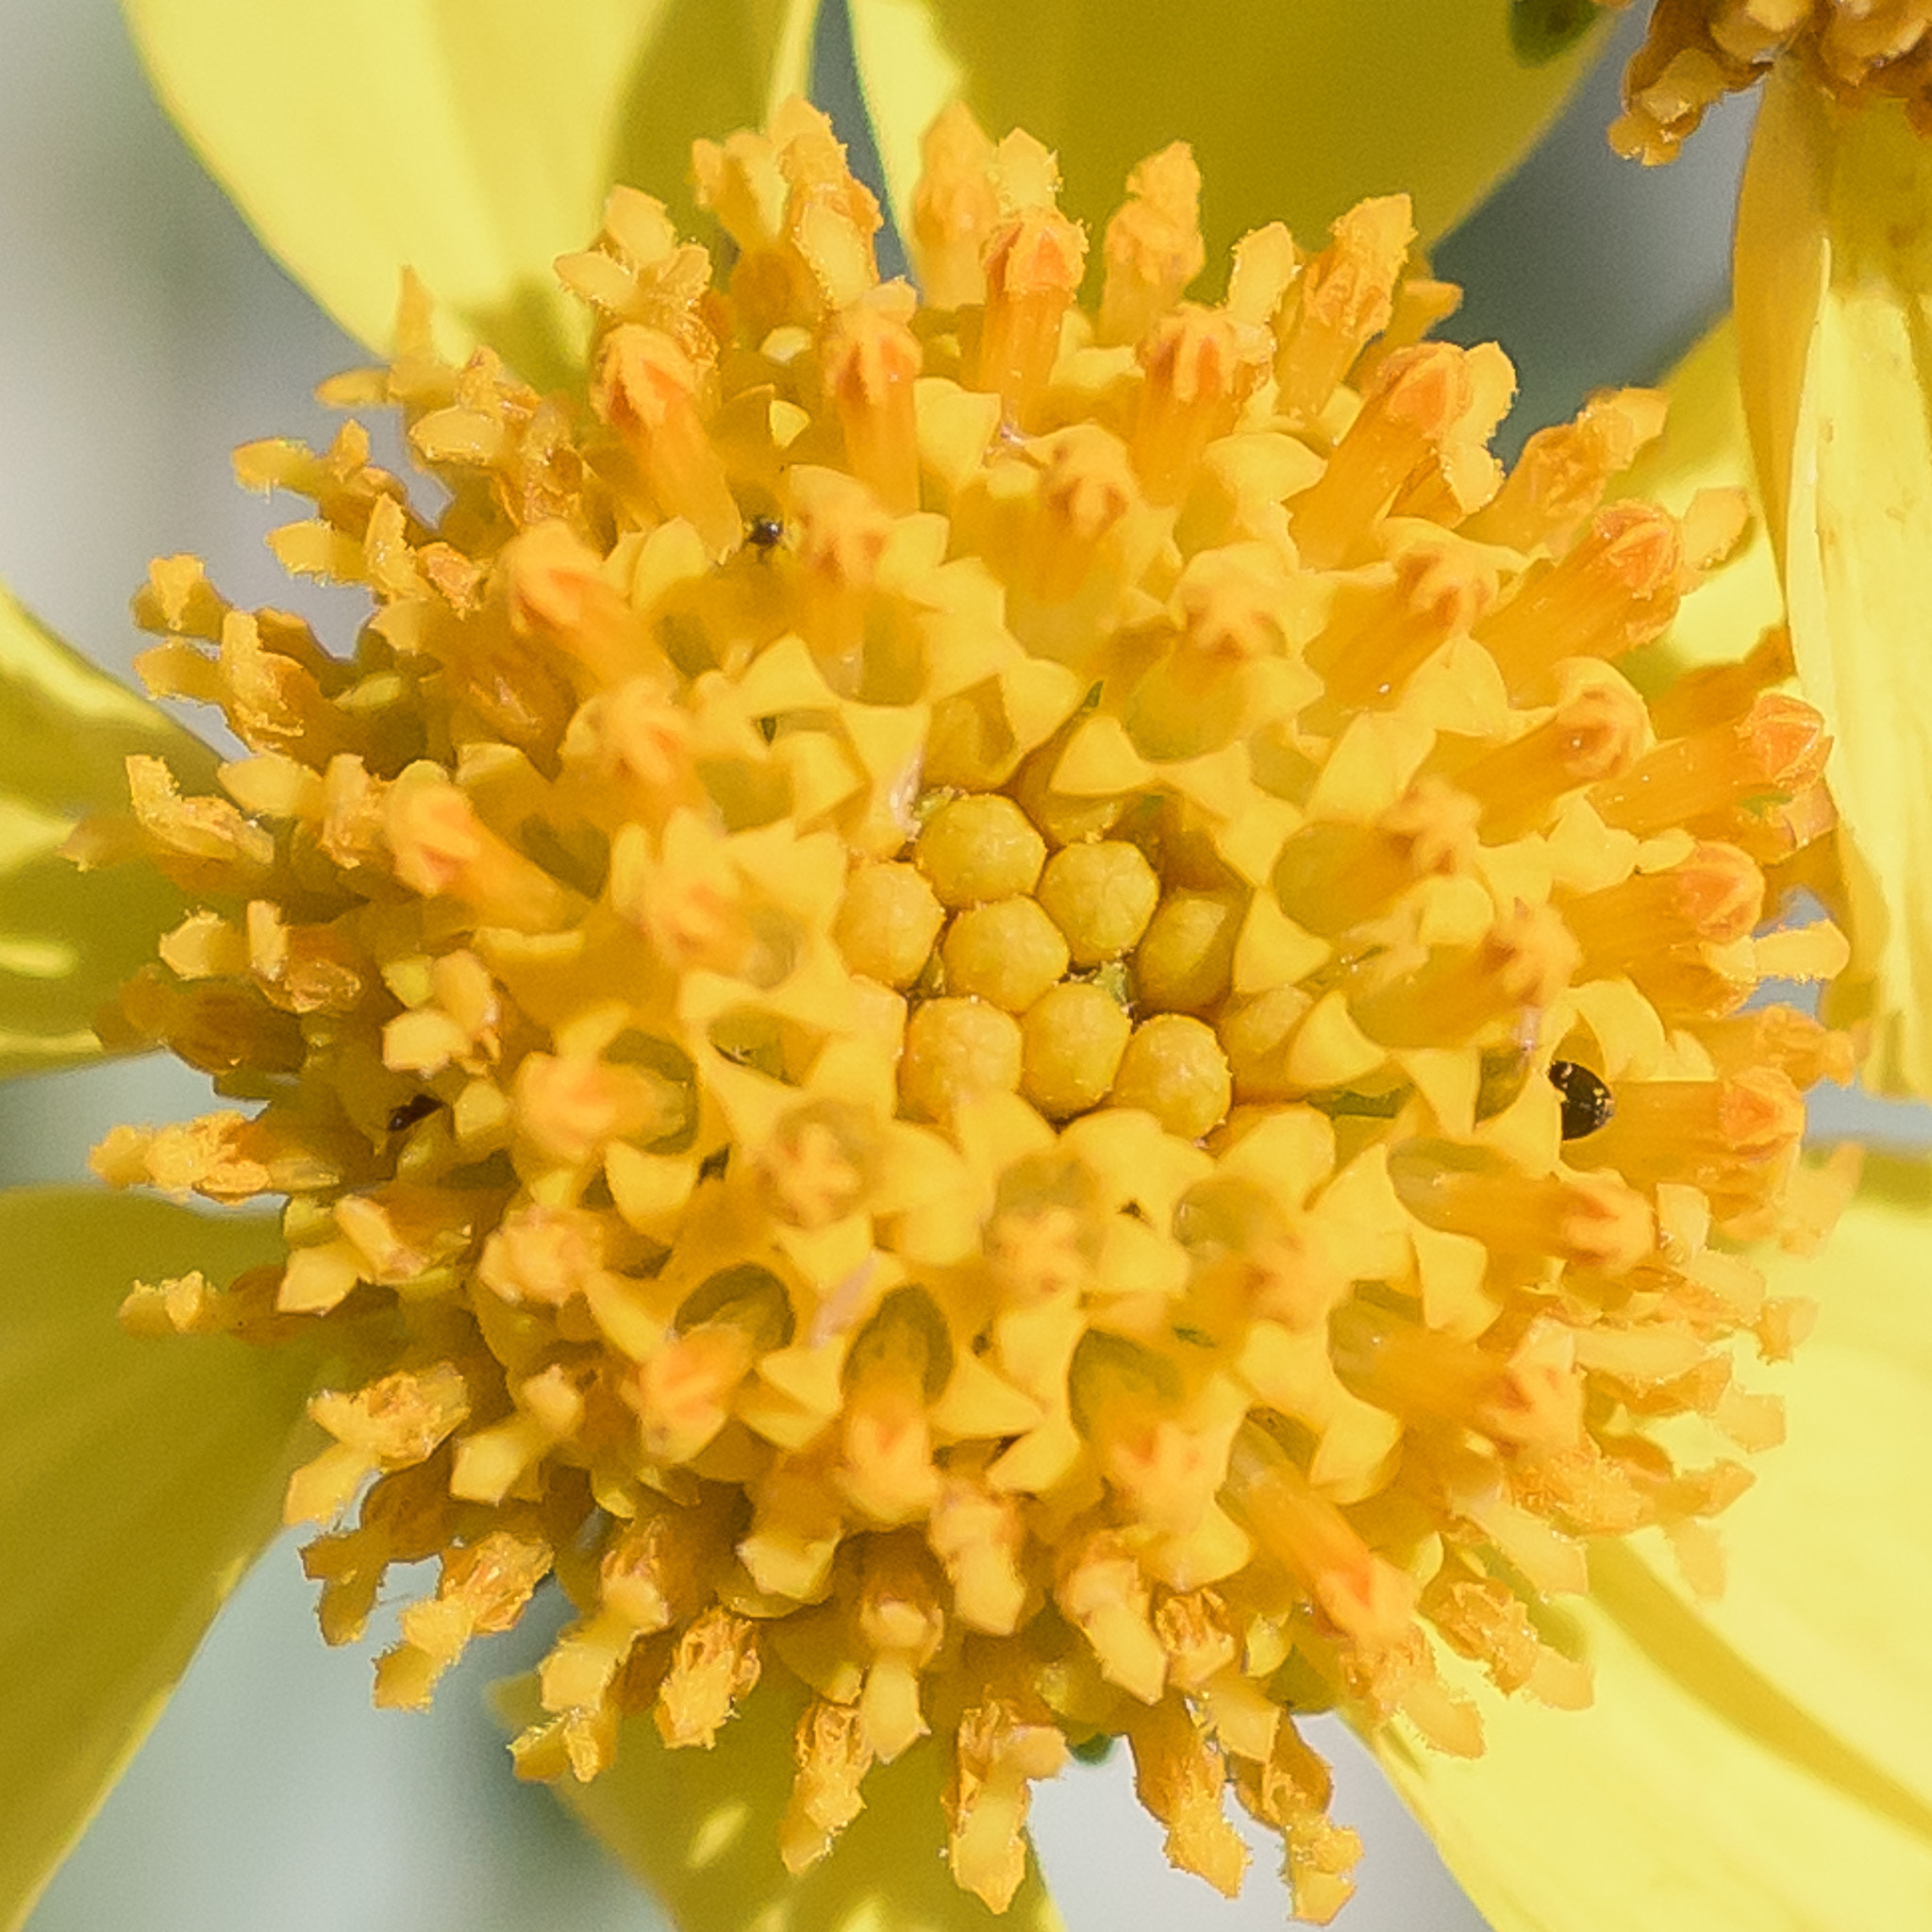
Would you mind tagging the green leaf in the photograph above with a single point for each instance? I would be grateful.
(1759, 1761)
(1294, 111)
(138, 1479)
(700, 1828)
(1833, 295)
(68, 937)
(471, 139)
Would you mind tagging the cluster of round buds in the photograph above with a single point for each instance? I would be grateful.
(1698, 51)
(999, 1007)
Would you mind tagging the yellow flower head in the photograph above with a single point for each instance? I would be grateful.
(1698, 51)
(997, 1006)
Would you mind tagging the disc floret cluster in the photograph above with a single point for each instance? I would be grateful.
(996, 1007)
(1697, 53)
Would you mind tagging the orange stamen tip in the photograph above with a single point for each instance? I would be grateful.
(1784, 740)
(643, 376)
(1039, 253)
(1638, 544)
(1423, 388)
(1598, 732)
(1719, 892)
(1760, 1114)
(1199, 366)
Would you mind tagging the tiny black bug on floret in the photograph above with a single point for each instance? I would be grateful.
(413, 1110)
(1587, 1102)
(764, 533)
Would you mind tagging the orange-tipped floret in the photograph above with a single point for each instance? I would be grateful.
(1699, 51)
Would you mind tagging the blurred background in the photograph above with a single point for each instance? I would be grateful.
(143, 333)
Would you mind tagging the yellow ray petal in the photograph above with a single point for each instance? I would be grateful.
(137, 1480)
(68, 937)
(700, 1828)
(1833, 307)
(1295, 112)
(1704, 446)
(1759, 1761)
(473, 139)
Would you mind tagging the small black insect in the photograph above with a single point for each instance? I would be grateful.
(1587, 1102)
(764, 533)
(418, 1109)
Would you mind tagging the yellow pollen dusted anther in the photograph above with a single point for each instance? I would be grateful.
(1340, 302)
(1199, 367)
(443, 851)
(716, 1662)
(1380, 631)
(871, 360)
(1178, 1775)
(1778, 746)
(556, 587)
(841, 533)
(484, 1587)
(1616, 590)
(1033, 266)
(1362, 1593)
(1591, 1222)
(1153, 248)
(994, 1019)
(393, 1423)
(1595, 732)
(955, 209)
(649, 390)
(1560, 476)
(1698, 51)
(802, 226)
(833, 1757)
(1004, 1746)
(1419, 398)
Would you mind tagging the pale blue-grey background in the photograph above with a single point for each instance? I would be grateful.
(143, 333)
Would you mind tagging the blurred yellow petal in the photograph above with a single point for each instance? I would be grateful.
(700, 1828)
(68, 937)
(1761, 1760)
(1832, 1555)
(1834, 301)
(1705, 448)
(473, 139)
(1294, 111)
(137, 1481)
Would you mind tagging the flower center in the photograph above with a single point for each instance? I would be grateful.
(1002, 1005)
